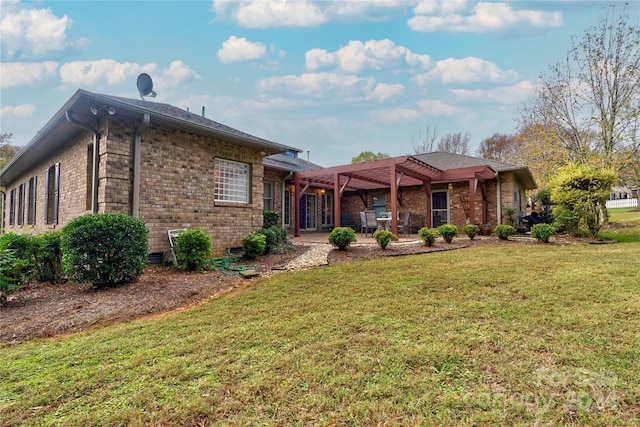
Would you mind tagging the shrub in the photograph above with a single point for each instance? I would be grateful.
(342, 237)
(23, 247)
(383, 237)
(270, 218)
(428, 236)
(193, 249)
(503, 231)
(254, 244)
(48, 258)
(542, 232)
(271, 239)
(7, 283)
(104, 249)
(471, 230)
(448, 232)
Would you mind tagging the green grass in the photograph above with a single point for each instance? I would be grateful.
(494, 335)
(628, 216)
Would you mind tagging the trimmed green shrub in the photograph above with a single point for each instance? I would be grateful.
(542, 232)
(448, 232)
(383, 237)
(428, 235)
(193, 249)
(270, 218)
(471, 230)
(503, 231)
(104, 249)
(254, 244)
(48, 257)
(271, 239)
(281, 234)
(342, 237)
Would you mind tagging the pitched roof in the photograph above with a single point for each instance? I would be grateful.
(289, 163)
(60, 128)
(443, 160)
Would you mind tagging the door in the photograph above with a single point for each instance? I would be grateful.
(308, 212)
(439, 208)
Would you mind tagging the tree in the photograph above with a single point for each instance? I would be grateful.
(456, 143)
(425, 141)
(367, 156)
(500, 147)
(7, 151)
(578, 192)
(590, 100)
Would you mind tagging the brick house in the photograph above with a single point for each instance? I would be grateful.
(167, 166)
(437, 188)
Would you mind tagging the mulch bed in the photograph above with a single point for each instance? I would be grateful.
(45, 310)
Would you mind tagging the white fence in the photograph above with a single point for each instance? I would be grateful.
(622, 203)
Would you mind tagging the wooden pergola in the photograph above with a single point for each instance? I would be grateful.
(391, 173)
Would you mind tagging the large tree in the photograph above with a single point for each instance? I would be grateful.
(500, 147)
(589, 102)
(428, 141)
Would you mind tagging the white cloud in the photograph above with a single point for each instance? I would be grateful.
(466, 70)
(305, 13)
(503, 95)
(436, 107)
(25, 73)
(239, 49)
(396, 115)
(111, 72)
(321, 85)
(383, 92)
(483, 17)
(19, 112)
(356, 57)
(34, 33)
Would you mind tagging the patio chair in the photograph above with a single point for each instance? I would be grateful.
(371, 221)
(364, 225)
(404, 224)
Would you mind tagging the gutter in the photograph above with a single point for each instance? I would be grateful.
(137, 147)
(96, 159)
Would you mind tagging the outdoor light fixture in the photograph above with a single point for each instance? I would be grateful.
(95, 109)
(450, 187)
(111, 111)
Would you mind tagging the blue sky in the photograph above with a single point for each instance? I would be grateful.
(330, 78)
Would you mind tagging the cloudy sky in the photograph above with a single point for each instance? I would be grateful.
(332, 78)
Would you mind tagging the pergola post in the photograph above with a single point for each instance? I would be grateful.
(296, 207)
(473, 182)
(429, 217)
(337, 210)
(394, 199)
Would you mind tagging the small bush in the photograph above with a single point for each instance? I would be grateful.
(542, 232)
(48, 257)
(193, 249)
(383, 237)
(23, 248)
(104, 249)
(503, 231)
(271, 239)
(270, 218)
(448, 232)
(428, 236)
(254, 244)
(471, 230)
(7, 283)
(342, 237)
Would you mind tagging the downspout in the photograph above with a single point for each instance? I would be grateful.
(96, 159)
(4, 202)
(137, 148)
(499, 198)
(284, 193)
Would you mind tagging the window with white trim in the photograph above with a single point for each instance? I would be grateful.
(231, 181)
(327, 209)
(287, 206)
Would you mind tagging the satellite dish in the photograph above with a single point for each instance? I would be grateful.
(145, 86)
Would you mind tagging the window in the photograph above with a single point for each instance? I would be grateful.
(327, 209)
(89, 195)
(31, 204)
(231, 181)
(51, 194)
(21, 195)
(287, 207)
(12, 207)
(267, 196)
